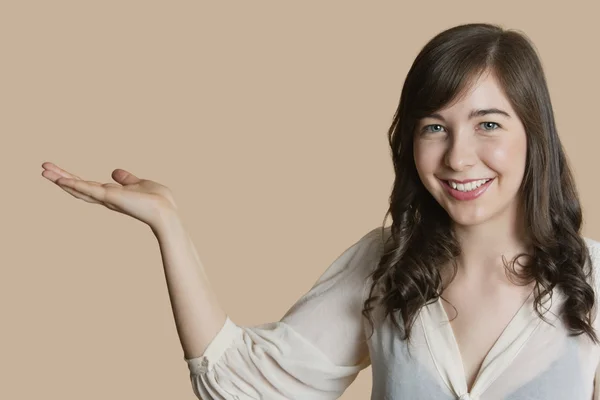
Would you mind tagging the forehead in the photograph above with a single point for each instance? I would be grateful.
(484, 92)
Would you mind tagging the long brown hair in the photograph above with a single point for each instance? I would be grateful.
(408, 275)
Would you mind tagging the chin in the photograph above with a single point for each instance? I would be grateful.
(464, 220)
(470, 217)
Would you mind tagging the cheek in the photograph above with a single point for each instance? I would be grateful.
(427, 156)
(499, 158)
(507, 157)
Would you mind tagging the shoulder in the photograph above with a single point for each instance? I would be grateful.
(591, 243)
(593, 247)
(377, 233)
(375, 240)
(357, 258)
(372, 238)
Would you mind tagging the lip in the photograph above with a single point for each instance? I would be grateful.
(465, 196)
(466, 180)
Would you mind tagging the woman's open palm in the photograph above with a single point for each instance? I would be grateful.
(142, 199)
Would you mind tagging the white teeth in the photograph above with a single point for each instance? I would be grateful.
(467, 187)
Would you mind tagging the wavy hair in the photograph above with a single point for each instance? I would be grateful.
(408, 274)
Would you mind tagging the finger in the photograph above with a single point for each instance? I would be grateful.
(50, 175)
(79, 195)
(53, 167)
(54, 177)
(67, 187)
(112, 185)
(125, 177)
(92, 191)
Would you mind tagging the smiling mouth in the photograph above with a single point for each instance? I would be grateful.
(468, 186)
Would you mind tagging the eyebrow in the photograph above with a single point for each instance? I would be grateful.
(473, 113)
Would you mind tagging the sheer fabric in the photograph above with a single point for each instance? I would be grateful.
(319, 346)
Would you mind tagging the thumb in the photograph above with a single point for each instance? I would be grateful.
(124, 177)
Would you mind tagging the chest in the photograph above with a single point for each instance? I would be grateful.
(523, 357)
(478, 317)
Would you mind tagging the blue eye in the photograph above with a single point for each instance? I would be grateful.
(494, 126)
(435, 128)
(427, 130)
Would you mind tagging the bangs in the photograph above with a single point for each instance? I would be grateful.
(445, 75)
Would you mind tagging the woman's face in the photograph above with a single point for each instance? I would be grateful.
(471, 156)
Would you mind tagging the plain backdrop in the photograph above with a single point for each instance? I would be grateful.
(268, 121)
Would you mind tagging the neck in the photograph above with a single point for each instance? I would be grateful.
(484, 246)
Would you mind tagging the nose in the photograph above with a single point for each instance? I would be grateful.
(461, 154)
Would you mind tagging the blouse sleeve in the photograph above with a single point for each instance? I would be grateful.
(593, 247)
(314, 352)
(594, 250)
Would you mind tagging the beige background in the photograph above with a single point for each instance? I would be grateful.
(268, 121)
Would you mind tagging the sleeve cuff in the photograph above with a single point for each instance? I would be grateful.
(221, 342)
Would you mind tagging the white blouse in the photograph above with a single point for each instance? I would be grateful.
(318, 348)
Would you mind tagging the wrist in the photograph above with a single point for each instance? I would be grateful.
(166, 219)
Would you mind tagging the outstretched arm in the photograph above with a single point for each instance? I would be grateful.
(198, 315)
(314, 352)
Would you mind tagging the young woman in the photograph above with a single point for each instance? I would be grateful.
(482, 287)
